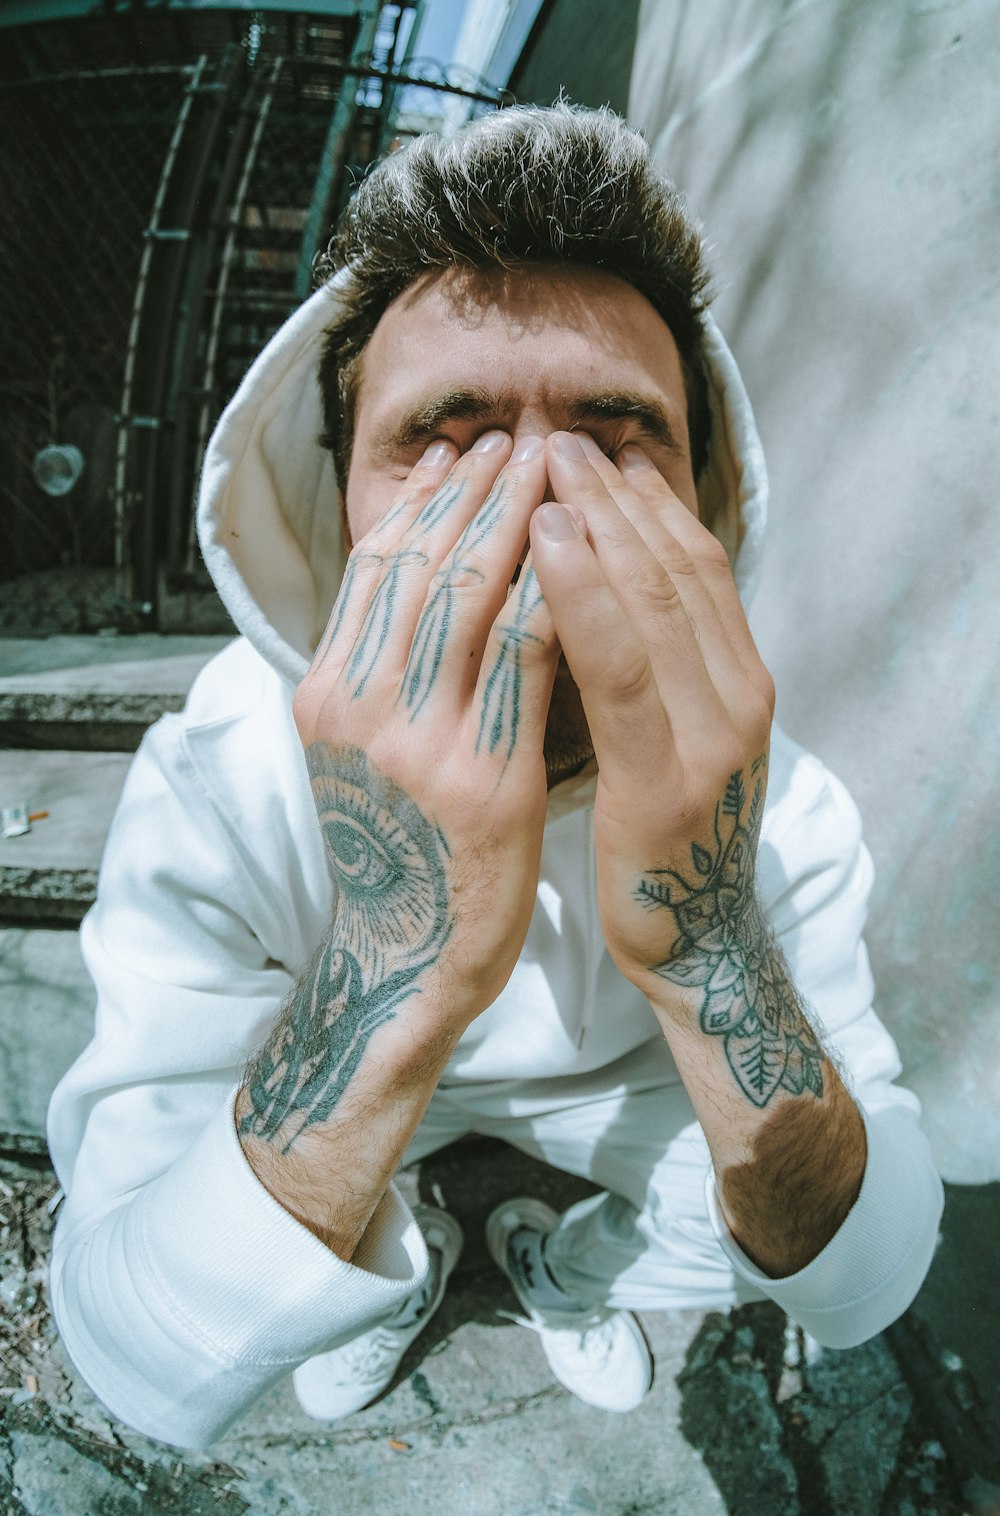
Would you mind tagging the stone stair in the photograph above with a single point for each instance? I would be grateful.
(72, 712)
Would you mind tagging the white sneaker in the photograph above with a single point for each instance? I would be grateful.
(600, 1355)
(340, 1382)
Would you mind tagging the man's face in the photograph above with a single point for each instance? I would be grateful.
(536, 351)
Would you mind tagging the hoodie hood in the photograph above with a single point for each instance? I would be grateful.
(269, 516)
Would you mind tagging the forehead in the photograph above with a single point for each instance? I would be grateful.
(540, 335)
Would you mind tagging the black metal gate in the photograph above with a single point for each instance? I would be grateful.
(165, 177)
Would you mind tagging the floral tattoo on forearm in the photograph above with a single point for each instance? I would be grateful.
(725, 948)
(391, 920)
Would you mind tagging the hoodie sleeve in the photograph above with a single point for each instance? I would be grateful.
(181, 1289)
(815, 877)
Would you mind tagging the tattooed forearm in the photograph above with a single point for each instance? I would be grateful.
(501, 713)
(726, 949)
(301, 1072)
(390, 921)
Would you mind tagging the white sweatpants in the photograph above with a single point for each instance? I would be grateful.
(647, 1242)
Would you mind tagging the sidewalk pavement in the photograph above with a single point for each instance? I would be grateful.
(743, 1417)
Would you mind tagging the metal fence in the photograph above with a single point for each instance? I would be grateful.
(165, 179)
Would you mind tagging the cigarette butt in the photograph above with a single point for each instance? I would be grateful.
(37, 815)
(397, 1446)
(31, 1384)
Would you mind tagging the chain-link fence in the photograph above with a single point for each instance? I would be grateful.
(166, 178)
(81, 152)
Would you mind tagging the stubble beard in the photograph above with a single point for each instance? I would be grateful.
(567, 746)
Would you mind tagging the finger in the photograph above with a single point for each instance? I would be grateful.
(665, 525)
(673, 534)
(471, 586)
(642, 476)
(698, 565)
(366, 557)
(632, 731)
(648, 597)
(514, 688)
(741, 682)
(411, 557)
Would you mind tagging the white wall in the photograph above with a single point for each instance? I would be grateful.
(843, 155)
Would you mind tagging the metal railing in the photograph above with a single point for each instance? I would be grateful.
(161, 216)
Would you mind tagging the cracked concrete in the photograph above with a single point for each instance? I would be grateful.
(745, 1416)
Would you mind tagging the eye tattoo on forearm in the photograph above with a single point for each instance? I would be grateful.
(391, 920)
(434, 625)
(726, 949)
(501, 713)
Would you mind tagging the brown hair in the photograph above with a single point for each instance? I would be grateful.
(526, 185)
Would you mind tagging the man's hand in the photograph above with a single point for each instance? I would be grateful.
(422, 718)
(679, 706)
(425, 706)
(678, 703)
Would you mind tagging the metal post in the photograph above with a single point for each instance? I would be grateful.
(334, 151)
(125, 496)
(400, 67)
(235, 213)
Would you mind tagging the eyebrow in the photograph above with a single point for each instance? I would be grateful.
(625, 405)
(501, 407)
(420, 424)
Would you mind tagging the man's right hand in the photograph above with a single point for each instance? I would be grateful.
(422, 717)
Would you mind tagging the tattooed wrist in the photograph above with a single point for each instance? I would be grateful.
(725, 952)
(391, 919)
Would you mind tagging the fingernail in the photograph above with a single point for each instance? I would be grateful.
(568, 446)
(489, 442)
(631, 456)
(526, 449)
(437, 455)
(556, 522)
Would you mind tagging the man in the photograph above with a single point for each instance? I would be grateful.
(558, 840)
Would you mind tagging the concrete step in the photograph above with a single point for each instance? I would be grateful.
(46, 1020)
(50, 873)
(96, 694)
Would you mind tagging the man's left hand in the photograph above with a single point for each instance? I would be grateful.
(679, 706)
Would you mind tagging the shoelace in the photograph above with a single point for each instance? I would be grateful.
(599, 1334)
(366, 1358)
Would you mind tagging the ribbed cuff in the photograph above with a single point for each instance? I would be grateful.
(232, 1265)
(183, 1304)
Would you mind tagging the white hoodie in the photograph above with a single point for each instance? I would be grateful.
(181, 1288)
